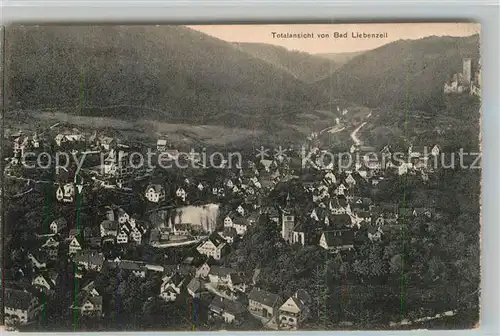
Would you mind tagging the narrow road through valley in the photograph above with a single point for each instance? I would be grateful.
(354, 134)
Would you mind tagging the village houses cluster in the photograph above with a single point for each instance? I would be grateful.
(339, 216)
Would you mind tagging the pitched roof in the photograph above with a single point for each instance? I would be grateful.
(216, 239)
(157, 187)
(91, 257)
(241, 221)
(195, 285)
(299, 304)
(221, 271)
(361, 213)
(339, 220)
(263, 297)
(96, 300)
(82, 298)
(41, 256)
(339, 237)
(17, 299)
(109, 225)
(232, 307)
(89, 286)
(131, 265)
(229, 232)
(235, 279)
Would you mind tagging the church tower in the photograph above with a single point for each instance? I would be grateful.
(287, 221)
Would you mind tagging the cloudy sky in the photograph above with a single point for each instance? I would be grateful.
(395, 31)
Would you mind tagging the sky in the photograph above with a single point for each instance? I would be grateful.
(395, 31)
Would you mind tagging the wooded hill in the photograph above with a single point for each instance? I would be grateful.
(169, 73)
(407, 73)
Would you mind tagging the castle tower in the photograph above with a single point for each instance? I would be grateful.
(467, 71)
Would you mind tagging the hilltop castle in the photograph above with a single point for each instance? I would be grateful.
(465, 81)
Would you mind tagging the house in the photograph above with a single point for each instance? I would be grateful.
(38, 259)
(361, 202)
(423, 212)
(51, 247)
(171, 287)
(263, 304)
(218, 275)
(229, 234)
(404, 167)
(136, 236)
(203, 270)
(228, 220)
(338, 221)
(181, 193)
(89, 260)
(45, 281)
(121, 216)
(240, 210)
(229, 184)
(253, 218)
(89, 287)
(350, 180)
(107, 143)
(236, 283)
(226, 310)
(155, 193)
(137, 268)
(436, 150)
(241, 225)
(161, 145)
(214, 247)
(122, 237)
(340, 190)
(109, 228)
(74, 246)
(330, 177)
(226, 277)
(294, 311)
(337, 240)
(58, 225)
(273, 214)
(159, 235)
(87, 304)
(374, 234)
(196, 287)
(182, 229)
(379, 220)
(66, 193)
(417, 151)
(360, 215)
(299, 235)
(20, 307)
(339, 206)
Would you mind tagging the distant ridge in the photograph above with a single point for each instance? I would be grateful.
(302, 65)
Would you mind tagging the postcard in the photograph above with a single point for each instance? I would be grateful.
(241, 177)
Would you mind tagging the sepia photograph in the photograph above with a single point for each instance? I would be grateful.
(275, 177)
